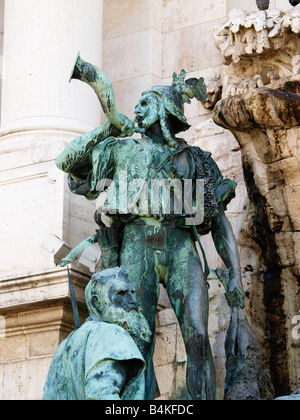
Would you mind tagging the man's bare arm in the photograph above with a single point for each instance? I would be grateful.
(79, 149)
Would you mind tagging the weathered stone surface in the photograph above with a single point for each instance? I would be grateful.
(165, 376)
(176, 14)
(135, 17)
(27, 347)
(192, 58)
(166, 340)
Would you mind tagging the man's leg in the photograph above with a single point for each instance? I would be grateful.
(138, 260)
(187, 290)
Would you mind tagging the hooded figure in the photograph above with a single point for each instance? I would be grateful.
(101, 360)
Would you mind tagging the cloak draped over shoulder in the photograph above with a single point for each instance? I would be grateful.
(93, 343)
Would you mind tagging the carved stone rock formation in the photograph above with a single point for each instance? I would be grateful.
(261, 107)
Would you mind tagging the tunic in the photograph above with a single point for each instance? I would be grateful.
(98, 361)
(129, 166)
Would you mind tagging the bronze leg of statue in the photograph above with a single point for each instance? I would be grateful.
(169, 255)
(187, 290)
(138, 259)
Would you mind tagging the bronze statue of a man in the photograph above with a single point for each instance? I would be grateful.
(101, 360)
(152, 244)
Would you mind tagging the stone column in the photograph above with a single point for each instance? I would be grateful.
(41, 41)
(41, 112)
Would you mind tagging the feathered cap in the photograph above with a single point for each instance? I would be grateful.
(182, 91)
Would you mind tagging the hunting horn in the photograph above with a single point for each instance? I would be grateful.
(98, 80)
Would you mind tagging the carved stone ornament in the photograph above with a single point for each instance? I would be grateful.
(261, 54)
(258, 48)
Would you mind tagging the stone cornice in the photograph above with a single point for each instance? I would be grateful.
(258, 49)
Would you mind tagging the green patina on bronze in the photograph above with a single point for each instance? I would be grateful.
(101, 360)
(158, 248)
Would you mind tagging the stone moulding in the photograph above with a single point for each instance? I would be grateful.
(33, 290)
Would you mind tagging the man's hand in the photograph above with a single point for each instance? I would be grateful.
(227, 248)
(233, 288)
